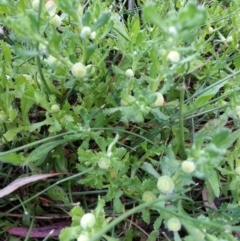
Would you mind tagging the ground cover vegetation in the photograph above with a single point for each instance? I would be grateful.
(121, 118)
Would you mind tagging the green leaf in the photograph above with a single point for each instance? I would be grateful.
(101, 21)
(151, 15)
(153, 235)
(228, 139)
(169, 164)
(86, 19)
(6, 51)
(214, 183)
(209, 94)
(118, 206)
(220, 136)
(148, 167)
(69, 7)
(158, 223)
(146, 215)
(159, 116)
(43, 150)
(76, 214)
(13, 158)
(56, 193)
(70, 233)
(12, 133)
(89, 51)
(26, 104)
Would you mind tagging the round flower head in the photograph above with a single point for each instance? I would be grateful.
(129, 73)
(1, 31)
(55, 108)
(173, 224)
(165, 184)
(159, 101)
(42, 48)
(35, 4)
(237, 170)
(210, 30)
(50, 7)
(173, 56)
(79, 70)
(88, 220)
(128, 100)
(104, 163)
(86, 32)
(188, 166)
(172, 30)
(56, 21)
(52, 61)
(229, 39)
(148, 196)
(93, 35)
(83, 237)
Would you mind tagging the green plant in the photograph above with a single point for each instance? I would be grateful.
(143, 105)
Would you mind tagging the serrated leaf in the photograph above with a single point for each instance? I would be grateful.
(153, 235)
(69, 234)
(118, 206)
(76, 214)
(26, 104)
(11, 134)
(169, 164)
(157, 223)
(146, 215)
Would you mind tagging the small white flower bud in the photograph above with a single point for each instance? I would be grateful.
(237, 170)
(88, 220)
(83, 237)
(173, 56)
(1, 30)
(148, 196)
(104, 163)
(50, 7)
(129, 73)
(56, 21)
(35, 4)
(52, 61)
(229, 39)
(210, 30)
(159, 101)
(93, 35)
(165, 184)
(55, 108)
(172, 30)
(188, 166)
(173, 224)
(86, 32)
(79, 70)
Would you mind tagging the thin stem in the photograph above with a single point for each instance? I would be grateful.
(182, 151)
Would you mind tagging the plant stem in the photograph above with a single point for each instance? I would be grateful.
(182, 151)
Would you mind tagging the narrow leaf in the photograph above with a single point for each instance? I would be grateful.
(19, 182)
